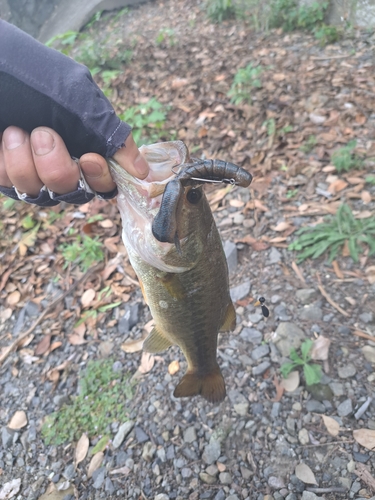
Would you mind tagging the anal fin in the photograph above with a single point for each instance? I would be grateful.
(156, 342)
(210, 386)
(229, 323)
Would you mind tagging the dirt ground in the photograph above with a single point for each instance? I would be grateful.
(262, 442)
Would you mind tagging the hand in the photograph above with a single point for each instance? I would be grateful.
(30, 161)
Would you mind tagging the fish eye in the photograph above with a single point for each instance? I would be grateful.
(193, 196)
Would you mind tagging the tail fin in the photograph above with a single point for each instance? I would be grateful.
(210, 386)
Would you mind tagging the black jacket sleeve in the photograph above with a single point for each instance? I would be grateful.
(39, 86)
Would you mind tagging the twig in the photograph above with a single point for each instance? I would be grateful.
(298, 272)
(348, 441)
(314, 58)
(331, 301)
(331, 489)
(364, 335)
(363, 408)
(51, 306)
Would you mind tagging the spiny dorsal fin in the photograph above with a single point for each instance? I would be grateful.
(229, 323)
(156, 342)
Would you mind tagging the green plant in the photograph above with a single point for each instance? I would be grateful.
(8, 203)
(64, 42)
(291, 192)
(85, 251)
(166, 35)
(146, 119)
(310, 16)
(327, 34)
(99, 306)
(218, 10)
(284, 14)
(370, 179)
(28, 222)
(270, 125)
(105, 54)
(102, 400)
(311, 371)
(309, 145)
(335, 233)
(244, 82)
(344, 158)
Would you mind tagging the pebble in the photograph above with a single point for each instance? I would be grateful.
(255, 317)
(337, 388)
(311, 313)
(230, 250)
(309, 495)
(6, 437)
(140, 435)
(361, 457)
(240, 291)
(220, 495)
(369, 353)
(288, 335)
(315, 406)
(347, 371)
(303, 436)
(274, 256)
(306, 295)
(251, 335)
(345, 408)
(148, 451)
(206, 478)
(248, 223)
(69, 472)
(276, 482)
(260, 352)
(275, 299)
(346, 482)
(211, 452)
(238, 219)
(98, 477)
(246, 473)
(260, 369)
(231, 497)
(161, 496)
(121, 434)
(212, 470)
(190, 435)
(225, 478)
(367, 317)
(281, 313)
(241, 409)
(129, 319)
(109, 488)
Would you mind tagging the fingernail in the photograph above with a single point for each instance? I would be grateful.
(14, 138)
(42, 142)
(91, 169)
(141, 165)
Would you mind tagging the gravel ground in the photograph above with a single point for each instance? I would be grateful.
(249, 446)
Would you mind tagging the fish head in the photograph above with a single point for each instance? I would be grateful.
(139, 202)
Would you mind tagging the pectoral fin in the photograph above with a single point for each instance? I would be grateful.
(229, 323)
(210, 386)
(173, 285)
(156, 342)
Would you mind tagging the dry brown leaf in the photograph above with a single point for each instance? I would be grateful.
(122, 470)
(55, 345)
(279, 390)
(133, 345)
(88, 297)
(370, 274)
(365, 437)
(173, 367)
(13, 298)
(106, 223)
(18, 420)
(282, 226)
(95, 463)
(236, 203)
(337, 186)
(81, 449)
(333, 427)
(43, 345)
(337, 270)
(320, 348)
(147, 362)
(305, 474)
(365, 214)
(366, 197)
(291, 382)
(78, 337)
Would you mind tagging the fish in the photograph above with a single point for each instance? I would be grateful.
(176, 251)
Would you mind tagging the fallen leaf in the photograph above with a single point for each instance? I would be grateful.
(106, 223)
(370, 274)
(279, 390)
(365, 437)
(81, 449)
(317, 119)
(88, 297)
(337, 270)
(95, 463)
(337, 186)
(54, 494)
(18, 420)
(333, 427)
(320, 348)
(101, 445)
(43, 345)
(10, 490)
(13, 298)
(147, 362)
(78, 337)
(364, 214)
(291, 382)
(305, 474)
(236, 203)
(282, 226)
(122, 470)
(366, 197)
(173, 367)
(133, 345)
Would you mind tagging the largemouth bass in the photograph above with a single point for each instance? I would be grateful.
(176, 251)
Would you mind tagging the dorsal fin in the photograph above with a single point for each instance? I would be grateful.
(156, 342)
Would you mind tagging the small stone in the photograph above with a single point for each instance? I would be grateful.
(140, 435)
(356, 486)
(161, 496)
(306, 295)
(369, 353)
(206, 478)
(185, 472)
(347, 371)
(123, 431)
(346, 482)
(69, 472)
(246, 473)
(129, 319)
(288, 335)
(275, 410)
(248, 223)
(212, 470)
(281, 313)
(190, 435)
(361, 457)
(230, 250)
(109, 488)
(238, 219)
(303, 436)
(225, 478)
(260, 369)
(345, 408)
(148, 451)
(260, 351)
(309, 495)
(251, 335)
(6, 437)
(220, 495)
(315, 406)
(351, 466)
(274, 256)
(98, 477)
(366, 317)
(337, 388)
(311, 313)
(255, 317)
(240, 291)
(234, 497)
(297, 406)
(275, 299)
(276, 482)
(241, 409)
(212, 452)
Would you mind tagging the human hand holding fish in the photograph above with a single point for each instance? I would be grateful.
(176, 251)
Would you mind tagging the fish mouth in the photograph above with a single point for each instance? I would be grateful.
(139, 201)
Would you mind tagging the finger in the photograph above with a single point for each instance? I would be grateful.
(53, 163)
(4, 179)
(96, 172)
(19, 163)
(131, 159)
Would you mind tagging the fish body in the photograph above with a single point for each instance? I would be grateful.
(184, 281)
